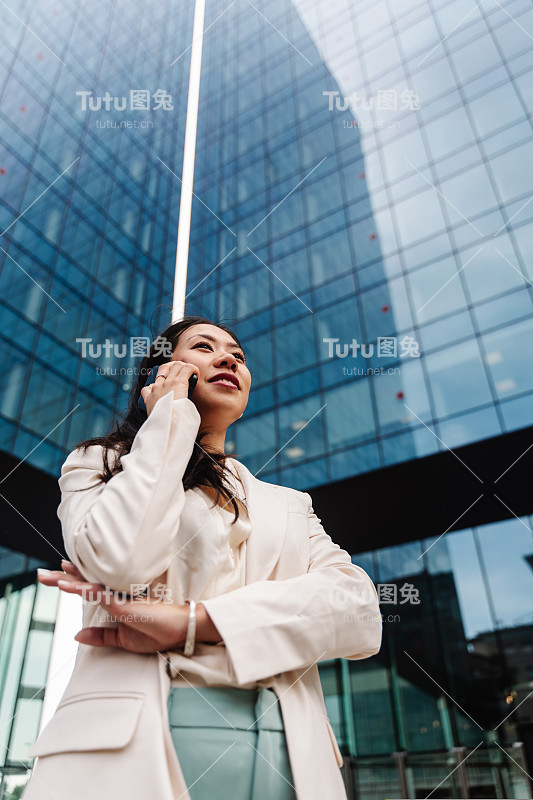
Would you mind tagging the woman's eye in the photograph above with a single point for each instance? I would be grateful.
(206, 344)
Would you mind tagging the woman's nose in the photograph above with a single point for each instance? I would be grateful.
(227, 359)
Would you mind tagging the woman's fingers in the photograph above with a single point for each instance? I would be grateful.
(92, 592)
(50, 577)
(72, 569)
(125, 638)
(115, 602)
(143, 627)
(176, 376)
(132, 613)
(98, 637)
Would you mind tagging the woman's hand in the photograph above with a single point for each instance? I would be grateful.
(171, 376)
(144, 626)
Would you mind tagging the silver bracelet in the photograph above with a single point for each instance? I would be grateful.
(188, 648)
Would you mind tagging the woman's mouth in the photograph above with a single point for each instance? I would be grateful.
(224, 382)
(226, 379)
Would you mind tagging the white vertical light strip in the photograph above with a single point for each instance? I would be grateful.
(189, 154)
(63, 653)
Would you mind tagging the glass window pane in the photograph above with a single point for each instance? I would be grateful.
(458, 379)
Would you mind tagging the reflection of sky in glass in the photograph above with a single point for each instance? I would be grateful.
(340, 218)
(502, 571)
(480, 163)
(492, 579)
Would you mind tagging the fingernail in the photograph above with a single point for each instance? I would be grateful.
(41, 571)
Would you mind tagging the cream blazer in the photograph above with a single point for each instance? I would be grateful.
(110, 736)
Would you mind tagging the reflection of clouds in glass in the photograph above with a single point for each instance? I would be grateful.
(501, 577)
(475, 611)
(489, 570)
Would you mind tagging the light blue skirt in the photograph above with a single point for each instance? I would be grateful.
(230, 743)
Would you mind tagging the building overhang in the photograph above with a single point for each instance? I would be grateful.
(479, 483)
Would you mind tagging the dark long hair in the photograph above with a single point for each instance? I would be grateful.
(206, 465)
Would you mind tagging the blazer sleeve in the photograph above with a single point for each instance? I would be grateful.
(272, 626)
(123, 531)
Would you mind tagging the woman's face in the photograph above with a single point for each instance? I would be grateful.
(214, 352)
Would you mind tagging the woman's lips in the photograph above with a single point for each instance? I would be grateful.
(224, 382)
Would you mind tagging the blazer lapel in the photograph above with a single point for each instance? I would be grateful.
(268, 511)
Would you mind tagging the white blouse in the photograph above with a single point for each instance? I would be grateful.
(233, 573)
(231, 545)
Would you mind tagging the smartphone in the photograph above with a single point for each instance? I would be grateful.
(193, 380)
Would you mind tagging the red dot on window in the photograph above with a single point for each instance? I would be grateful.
(3, 171)
(361, 175)
(40, 56)
(23, 108)
(373, 236)
(385, 308)
(400, 395)
(55, 11)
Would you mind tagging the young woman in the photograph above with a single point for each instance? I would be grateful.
(209, 596)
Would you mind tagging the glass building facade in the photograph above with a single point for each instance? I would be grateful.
(362, 219)
(82, 258)
(27, 618)
(384, 222)
(454, 673)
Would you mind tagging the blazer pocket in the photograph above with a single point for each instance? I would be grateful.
(90, 721)
(338, 754)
